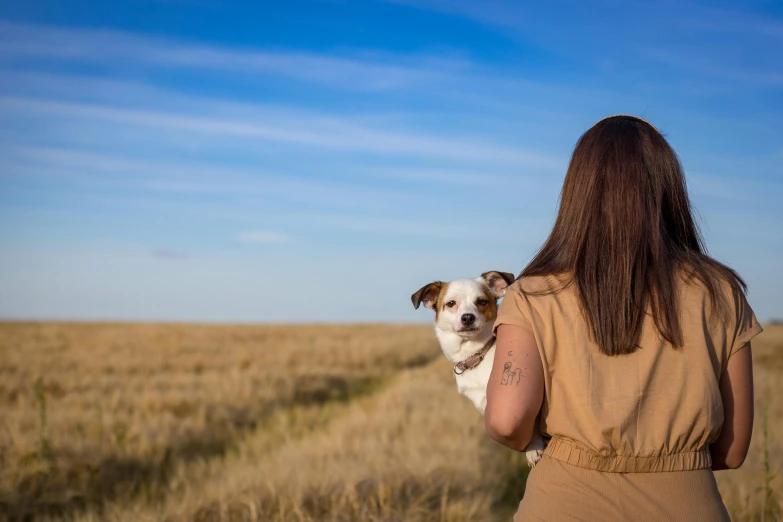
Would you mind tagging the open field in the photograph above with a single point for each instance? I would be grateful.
(305, 423)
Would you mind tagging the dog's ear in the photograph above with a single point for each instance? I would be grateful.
(498, 281)
(427, 294)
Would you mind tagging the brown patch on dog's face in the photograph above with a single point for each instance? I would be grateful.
(487, 305)
(445, 302)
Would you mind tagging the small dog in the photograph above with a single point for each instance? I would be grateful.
(465, 311)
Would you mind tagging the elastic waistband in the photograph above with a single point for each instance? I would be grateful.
(569, 452)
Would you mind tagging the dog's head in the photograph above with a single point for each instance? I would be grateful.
(465, 306)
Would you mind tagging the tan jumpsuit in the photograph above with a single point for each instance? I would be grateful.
(630, 434)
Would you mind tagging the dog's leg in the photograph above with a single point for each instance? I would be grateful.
(535, 450)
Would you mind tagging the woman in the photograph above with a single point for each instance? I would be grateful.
(638, 340)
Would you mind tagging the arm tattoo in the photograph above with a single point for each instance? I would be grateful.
(510, 377)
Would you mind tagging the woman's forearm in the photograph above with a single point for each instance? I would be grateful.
(736, 388)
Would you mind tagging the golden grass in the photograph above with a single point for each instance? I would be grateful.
(127, 404)
(274, 423)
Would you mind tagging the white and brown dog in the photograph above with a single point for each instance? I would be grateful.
(465, 311)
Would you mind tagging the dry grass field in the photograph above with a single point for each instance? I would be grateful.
(273, 423)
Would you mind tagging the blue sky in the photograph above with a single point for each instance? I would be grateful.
(320, 161)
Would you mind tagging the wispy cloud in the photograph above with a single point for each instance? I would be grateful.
(692, 15)
(315, 131)
(263, 237)
(704, 40)
(498, 13)
(134, 178)
(451, 177)
(486, 230)
(367, 70)
(757, 194)
(709, 18)
(165, 253)
(697, 62)
(34, 61)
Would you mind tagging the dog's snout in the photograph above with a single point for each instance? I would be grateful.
(468, 319)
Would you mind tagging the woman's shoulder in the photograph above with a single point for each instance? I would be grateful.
(540, 284)
(727, 291)
(727, 311)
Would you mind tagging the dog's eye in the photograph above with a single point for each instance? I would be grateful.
(451, 304)
(482, 302)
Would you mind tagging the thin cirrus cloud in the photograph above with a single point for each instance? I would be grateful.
(261, 237)
(134, 179)
(699, 39)
(460, 81)
(502, 14)
(701, 63)
(375, 71)
(316, 131)
(683, 16)
(165, 253)
(709, 18)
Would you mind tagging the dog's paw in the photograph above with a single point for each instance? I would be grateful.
(535, 450)
(533, 456)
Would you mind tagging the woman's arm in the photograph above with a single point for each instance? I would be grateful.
(516, 388)
(736, 389)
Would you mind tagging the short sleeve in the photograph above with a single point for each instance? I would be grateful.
(746, 326)
(514, 309)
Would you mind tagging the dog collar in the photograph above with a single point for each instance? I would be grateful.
(475, 359)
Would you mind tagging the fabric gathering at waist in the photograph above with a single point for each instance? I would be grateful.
(571, 453)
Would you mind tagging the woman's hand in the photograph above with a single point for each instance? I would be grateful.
(516, 388)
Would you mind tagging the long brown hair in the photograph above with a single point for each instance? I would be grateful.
(624, 233)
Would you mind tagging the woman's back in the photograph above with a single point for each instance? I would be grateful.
(656, 409)
(630, 433)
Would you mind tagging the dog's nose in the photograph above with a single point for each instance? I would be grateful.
(468, 319)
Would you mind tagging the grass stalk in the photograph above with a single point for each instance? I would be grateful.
(40, 395)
